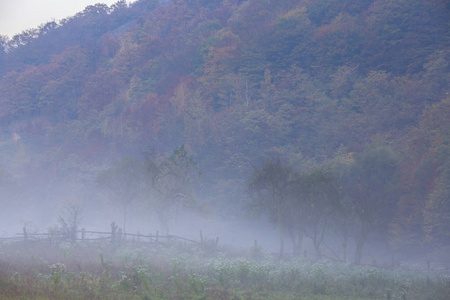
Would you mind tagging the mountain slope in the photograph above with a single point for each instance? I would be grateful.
(236, 81)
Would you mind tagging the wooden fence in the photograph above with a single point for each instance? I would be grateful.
(116, 237)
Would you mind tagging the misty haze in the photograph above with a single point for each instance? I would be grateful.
(228, 149)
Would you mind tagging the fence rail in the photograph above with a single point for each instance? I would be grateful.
(115, 236)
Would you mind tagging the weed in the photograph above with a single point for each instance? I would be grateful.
(158, 272)
(56, 272)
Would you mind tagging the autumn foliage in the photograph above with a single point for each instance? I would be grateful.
(237, 81)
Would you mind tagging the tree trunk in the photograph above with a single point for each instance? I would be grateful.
(298, 247)
(281, 238)
(359, 246)
(344, 245)
(296, 239)
(124, 217)
(317, 237)
(316, 244)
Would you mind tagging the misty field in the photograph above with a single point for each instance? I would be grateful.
(180, 271)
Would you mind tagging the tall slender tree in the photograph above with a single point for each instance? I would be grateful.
(372, 187)
(270, 190)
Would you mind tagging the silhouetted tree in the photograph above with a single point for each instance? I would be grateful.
(70, 220)
(437, 169)
(171, 181)
(372, 187)
(315, 194)
(123, 182)
(343, 214)
(270, 191)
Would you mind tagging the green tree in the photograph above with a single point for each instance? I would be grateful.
(437, 211)
(287, 42)
(270, 191)
(436, 164)
(297, 218)
(422, 209)
(315, 192)
(343, 215)
(373, 191)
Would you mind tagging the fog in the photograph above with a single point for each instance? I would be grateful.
(227, 150)
(40, 211)
(158, 193)
(39, 214)
(230, 244)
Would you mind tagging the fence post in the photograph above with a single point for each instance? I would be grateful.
(113, 232)
(83, 234)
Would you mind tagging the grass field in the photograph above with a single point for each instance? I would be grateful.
(180, 271)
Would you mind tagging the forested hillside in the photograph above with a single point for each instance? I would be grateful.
(314, 83)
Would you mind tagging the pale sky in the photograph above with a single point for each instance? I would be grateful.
(18, 15)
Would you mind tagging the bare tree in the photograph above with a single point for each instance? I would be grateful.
(70, 219)
(171, 181)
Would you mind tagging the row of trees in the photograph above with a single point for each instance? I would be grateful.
(352, 197)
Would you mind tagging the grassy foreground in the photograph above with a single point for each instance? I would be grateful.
(95, 271)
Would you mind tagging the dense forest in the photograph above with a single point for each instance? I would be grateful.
(346, 102)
